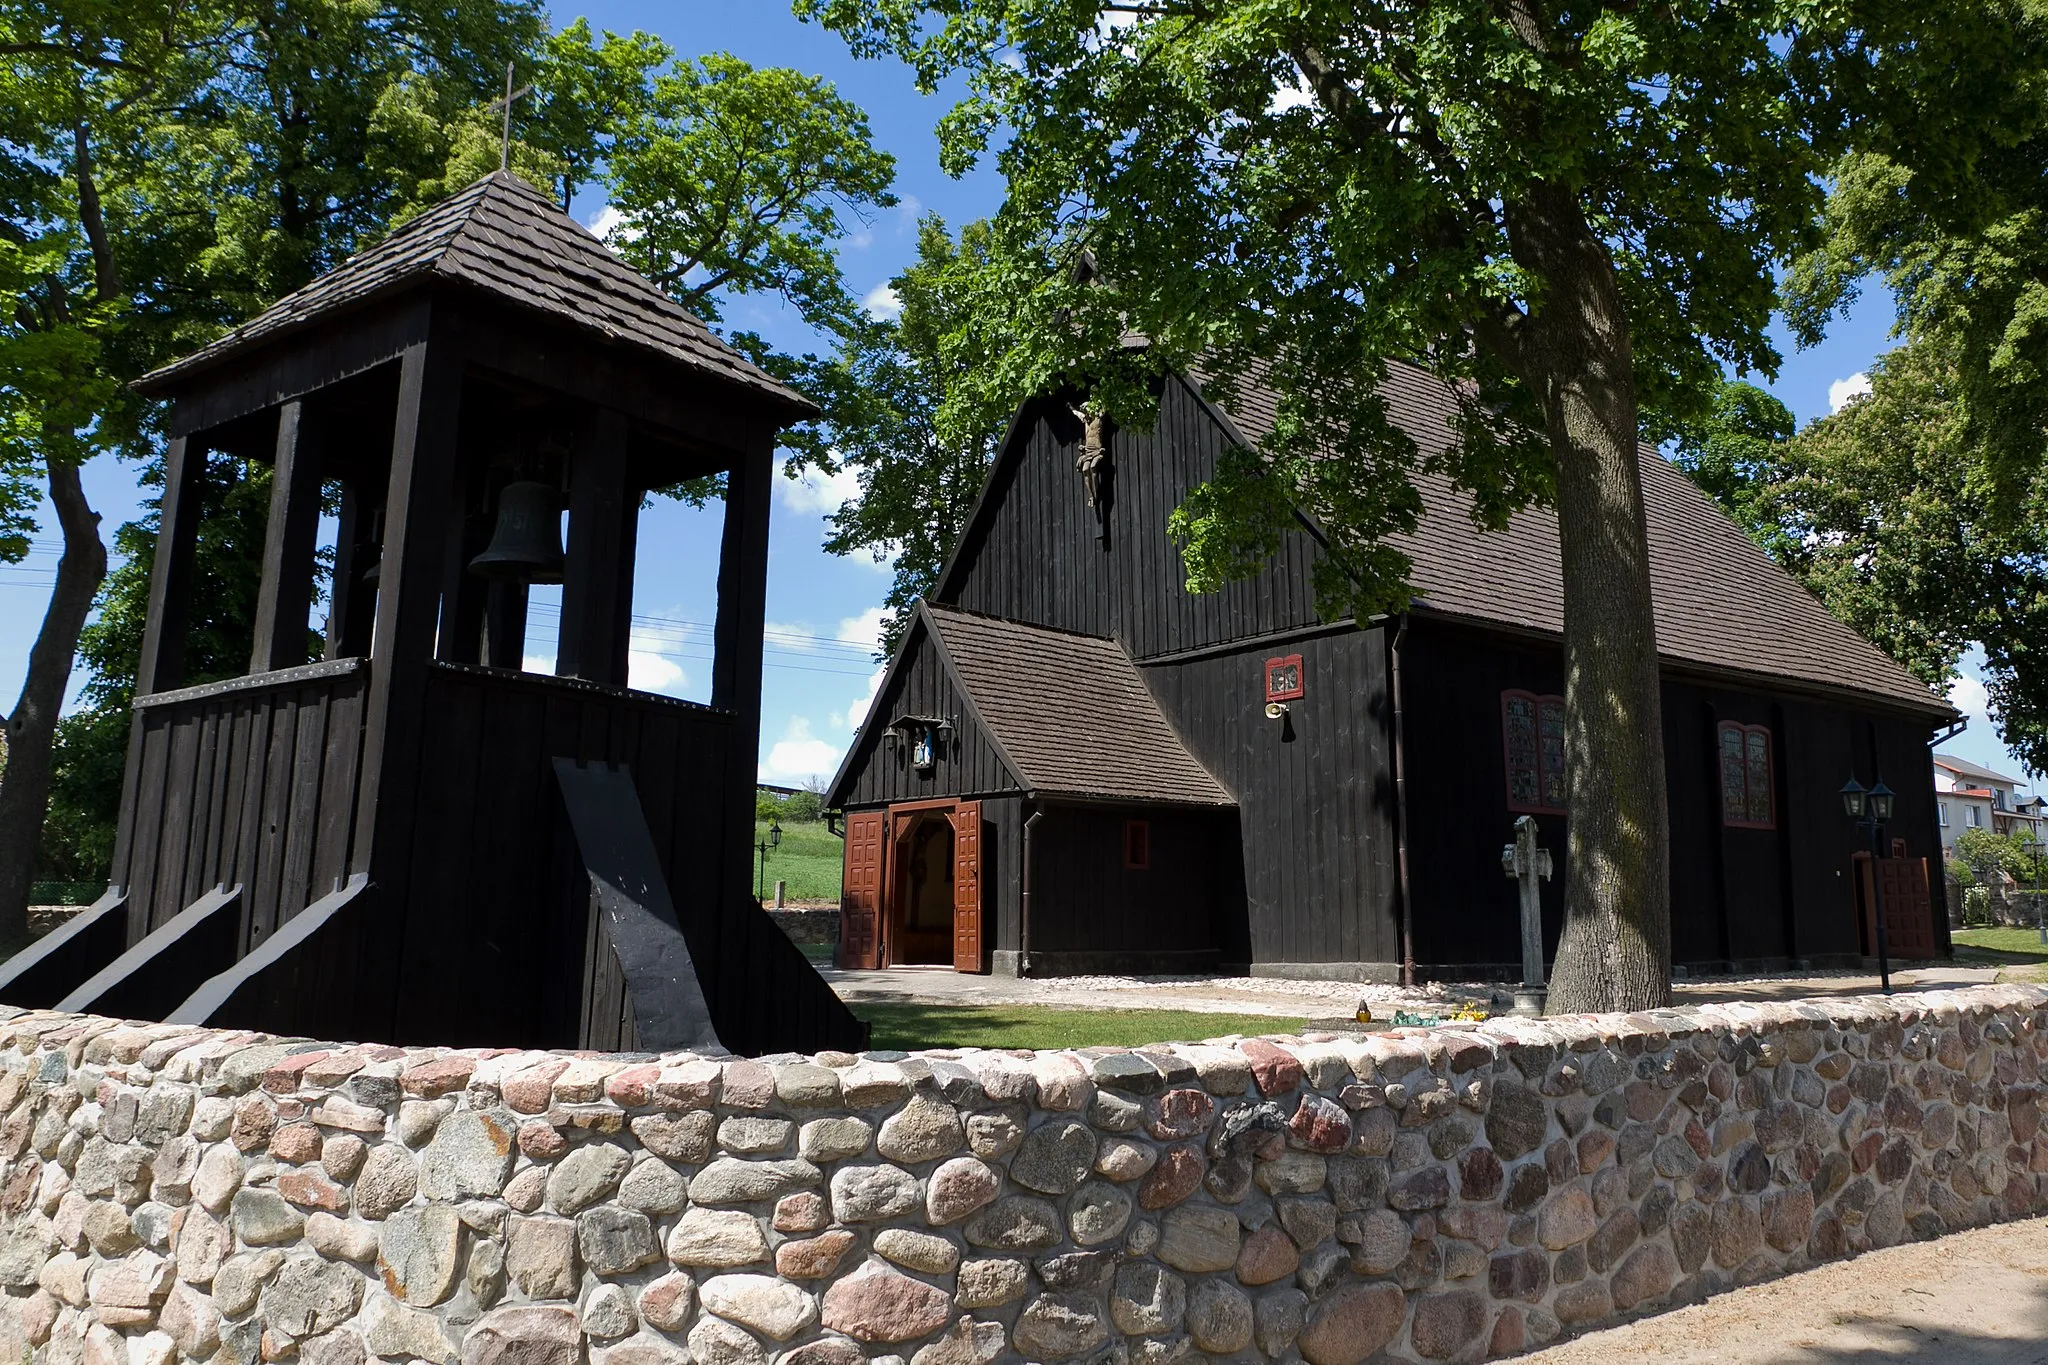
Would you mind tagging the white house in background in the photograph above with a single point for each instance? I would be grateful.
(1971, 797)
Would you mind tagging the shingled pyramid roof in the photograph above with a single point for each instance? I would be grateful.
(501, 236)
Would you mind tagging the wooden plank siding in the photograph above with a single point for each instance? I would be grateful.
(1092, 913)
(1740, 898)
(1034, 554)
(1315, 795)
(487, 789)
(921, 685)
(251, 782)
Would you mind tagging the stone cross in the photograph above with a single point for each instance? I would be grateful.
(1525, 861)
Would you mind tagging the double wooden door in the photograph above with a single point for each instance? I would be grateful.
(865, 940)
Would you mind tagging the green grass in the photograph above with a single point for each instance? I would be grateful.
(808, 859)
(908, 1027)
(2018, 952)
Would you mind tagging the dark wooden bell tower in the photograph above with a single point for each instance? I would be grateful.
(408, 838)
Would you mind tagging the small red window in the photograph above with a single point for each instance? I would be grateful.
(1532, 735)
(1283, 678)
(1746, 794)
(1137, 845)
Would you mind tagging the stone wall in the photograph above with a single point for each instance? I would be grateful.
(170, 1194)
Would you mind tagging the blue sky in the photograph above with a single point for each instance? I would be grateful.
(823, 610)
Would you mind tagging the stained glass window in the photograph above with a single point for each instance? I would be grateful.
(1532, 735)
(1745, 758)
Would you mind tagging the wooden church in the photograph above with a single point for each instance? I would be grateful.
(409, 839)
(1074, 765)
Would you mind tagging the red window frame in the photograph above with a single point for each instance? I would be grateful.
(1550, 797)
(1137, 845)
(1294, 693)
(1749, 792)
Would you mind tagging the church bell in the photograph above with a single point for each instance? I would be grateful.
(526, 546)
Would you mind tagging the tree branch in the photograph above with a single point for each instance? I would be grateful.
(88, 59)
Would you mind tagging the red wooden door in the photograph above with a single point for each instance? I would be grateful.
(967, 887)
(860, 897)
(1908, 906)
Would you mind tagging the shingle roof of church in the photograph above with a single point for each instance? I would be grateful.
(1070, 712)
(1721, 602)
(502, 236)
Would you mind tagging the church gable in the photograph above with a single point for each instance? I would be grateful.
(1037, 551)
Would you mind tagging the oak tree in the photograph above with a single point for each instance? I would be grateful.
(1570, 212)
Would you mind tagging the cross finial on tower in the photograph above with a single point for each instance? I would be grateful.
(505, 148)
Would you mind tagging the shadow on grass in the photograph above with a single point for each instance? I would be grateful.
(909, 1027)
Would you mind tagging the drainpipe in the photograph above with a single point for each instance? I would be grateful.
(1024, 930)
(1401, 804)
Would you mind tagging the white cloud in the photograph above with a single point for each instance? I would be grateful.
(650, 672)
(864, 629)
(851, 718)
(883, 303)
(791, 635)
(820, 494)
(1969, 696)
(1842, 390)
(799, 754)
(539, 663)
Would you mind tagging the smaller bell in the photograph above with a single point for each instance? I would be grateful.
(526, 546)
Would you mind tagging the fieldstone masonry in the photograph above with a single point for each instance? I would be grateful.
(171, 1194)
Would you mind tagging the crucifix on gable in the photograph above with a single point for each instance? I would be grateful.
(1097, 474)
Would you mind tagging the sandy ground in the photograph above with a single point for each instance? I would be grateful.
(1319, 999)
(1975, 1298)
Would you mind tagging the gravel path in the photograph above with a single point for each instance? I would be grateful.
(1321, 999)
(1975, 1298)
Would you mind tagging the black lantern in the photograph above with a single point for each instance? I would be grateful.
(774, 834)
(1870, 810)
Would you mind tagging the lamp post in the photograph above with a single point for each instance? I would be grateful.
(773, 841)
(2035, 848)
(1872, 811)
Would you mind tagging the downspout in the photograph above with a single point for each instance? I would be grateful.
(1024, 928)
(1401, 804)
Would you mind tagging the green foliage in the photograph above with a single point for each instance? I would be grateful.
(1310, 188)
(1987, 855)
(92, 742)
(1946, 201)
(1890, 512)
(236, 152)
(908, 409)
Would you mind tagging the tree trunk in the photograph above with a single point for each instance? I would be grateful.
(1615, 953)
(32, 727)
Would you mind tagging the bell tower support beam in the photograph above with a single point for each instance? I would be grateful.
(595, 575)
(286, 592)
